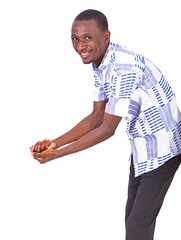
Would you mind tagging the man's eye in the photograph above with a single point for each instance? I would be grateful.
(74, 39)
(88, 37)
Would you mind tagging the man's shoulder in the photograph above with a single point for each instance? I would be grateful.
(123, 49)
(123, 55)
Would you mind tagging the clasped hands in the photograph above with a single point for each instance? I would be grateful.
(44, 151)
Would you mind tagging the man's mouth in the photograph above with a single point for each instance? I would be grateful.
(84, 54)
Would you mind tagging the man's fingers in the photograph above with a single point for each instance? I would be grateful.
(43, 145)
(32, 148)
(39, 160)
(45, 156)
(38, 156)
(37, 147)
(40, 146)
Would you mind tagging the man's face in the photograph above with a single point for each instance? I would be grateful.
(89, 41)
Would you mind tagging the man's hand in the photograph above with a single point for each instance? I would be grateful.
(41, 146)
(42, 151)
(45, 156)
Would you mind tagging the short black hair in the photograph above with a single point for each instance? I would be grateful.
(91, 14)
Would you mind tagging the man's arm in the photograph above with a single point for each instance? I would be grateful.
(100, 134)
(88, 124)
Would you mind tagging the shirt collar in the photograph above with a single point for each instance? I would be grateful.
(105, 60)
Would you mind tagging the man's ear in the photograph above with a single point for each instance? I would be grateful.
(107, 35)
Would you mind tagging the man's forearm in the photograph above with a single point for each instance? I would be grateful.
(88, 124)
(101, 133)
(91, 122)
(94, 137)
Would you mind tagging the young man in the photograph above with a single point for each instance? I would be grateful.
(126, 85)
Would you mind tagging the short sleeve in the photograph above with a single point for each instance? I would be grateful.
(99, 94)
(122, 90)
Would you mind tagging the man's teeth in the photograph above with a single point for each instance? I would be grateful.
(84, 55)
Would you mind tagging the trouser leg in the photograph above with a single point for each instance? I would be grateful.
(146, 198)
(133, 186)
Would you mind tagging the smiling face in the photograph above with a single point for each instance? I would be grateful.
(89, 41)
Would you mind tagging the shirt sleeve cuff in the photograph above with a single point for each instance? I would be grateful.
(118, 107)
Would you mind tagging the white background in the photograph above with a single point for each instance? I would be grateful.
(45, 90)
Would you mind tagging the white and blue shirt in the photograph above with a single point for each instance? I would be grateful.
(138, 91)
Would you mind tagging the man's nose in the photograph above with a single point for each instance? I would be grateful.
(81, 46)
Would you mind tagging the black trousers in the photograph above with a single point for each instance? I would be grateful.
(145, 198)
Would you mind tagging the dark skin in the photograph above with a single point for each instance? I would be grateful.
(91, 43)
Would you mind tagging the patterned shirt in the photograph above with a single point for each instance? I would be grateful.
(138, 91)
